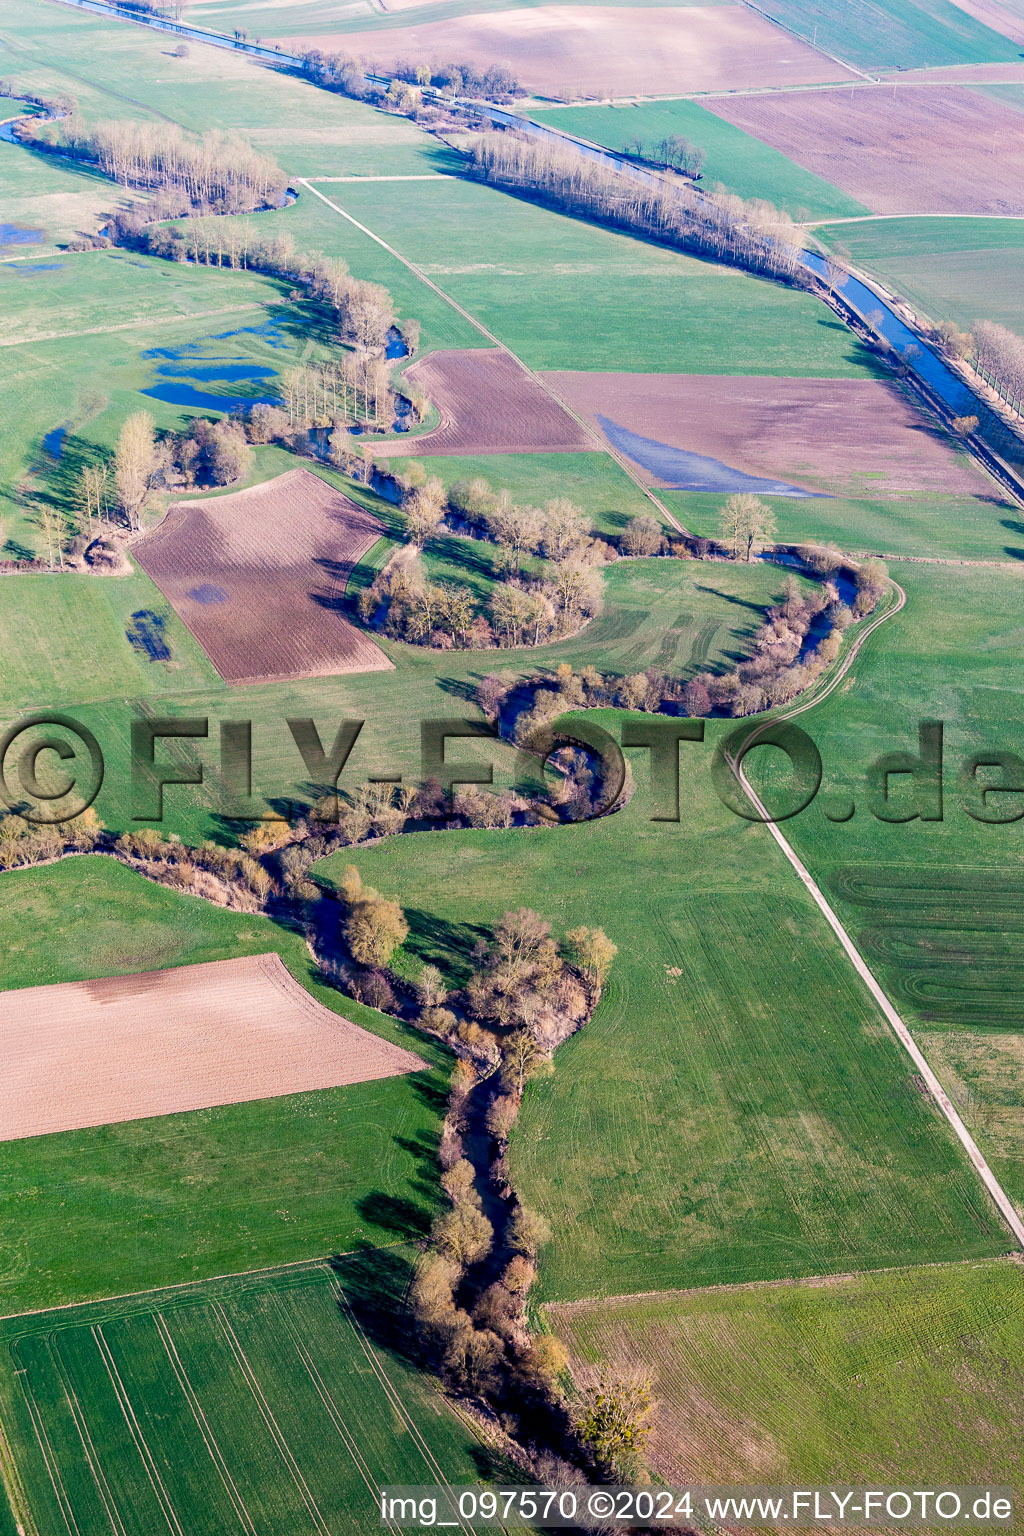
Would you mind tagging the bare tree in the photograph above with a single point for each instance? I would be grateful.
(134, 463)
(747, 521)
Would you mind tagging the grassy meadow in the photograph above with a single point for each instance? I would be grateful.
(530, 275)
(894, 34)
(983, 527)
(592, 480)
(179, 1197)
(732, 158)
(952, 269)
(664, 613)
(281, 1400)
(736, 1109)
(54, 199)
(122, 71)
(934, 906)
(853, 1380)
(78, 355)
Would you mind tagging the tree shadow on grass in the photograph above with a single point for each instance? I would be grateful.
(461, 687)
(396, 1215)
(375, 1282)
(430, 935)
(730, 597)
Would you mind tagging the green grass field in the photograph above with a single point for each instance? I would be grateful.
(273, 1400)
(952, 269)
(894, 34)
(180, 1197)
(530, 275)
(60, 202)
(945, 527)
(117, 70)
(856, 1381)
(934, 906)
(674, 615)
(731, 157)
(592, 480)
(74, 357)
(736, 1109)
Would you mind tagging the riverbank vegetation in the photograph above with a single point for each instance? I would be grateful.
(753, 235)
(215, 171)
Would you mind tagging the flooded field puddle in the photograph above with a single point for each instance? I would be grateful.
(146, 635)
(679, 469)
(180, 370)
(53, 442)
(19, 234)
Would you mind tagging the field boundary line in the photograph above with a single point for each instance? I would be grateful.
(267, 1413)
(313, 1265)
(135, 1430)
(818, 1282)
(599, 445)
(903, 1034)
(775, 22)
(199, 1414)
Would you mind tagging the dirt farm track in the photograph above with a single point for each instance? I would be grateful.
(259, 576)
(88, 1053)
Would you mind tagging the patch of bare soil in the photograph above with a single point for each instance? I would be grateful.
(259, 578)
(488, 404)
(88, 1053)
(897, 148)
(566, 51)
(847, 436)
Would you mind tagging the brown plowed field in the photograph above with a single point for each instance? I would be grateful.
(258, 577)
(898, 149)
(130, 1047)
(1007, 19)
(852, 437)
(579, 50)
(488, 404)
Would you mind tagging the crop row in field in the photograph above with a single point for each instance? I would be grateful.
(853, 1380)
(266, 1401)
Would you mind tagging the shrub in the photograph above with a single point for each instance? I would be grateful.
(528, 1232)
